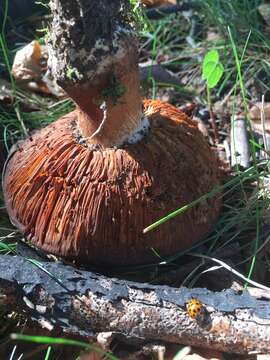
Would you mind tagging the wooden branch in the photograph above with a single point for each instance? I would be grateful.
(158, 73)
(86, 303)
(161, 12)
(240, 154)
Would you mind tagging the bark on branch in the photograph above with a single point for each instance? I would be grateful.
(86, 303)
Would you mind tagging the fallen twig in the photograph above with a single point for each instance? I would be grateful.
(158, 73)
(162, 11)
(86, 303)
(240, 153)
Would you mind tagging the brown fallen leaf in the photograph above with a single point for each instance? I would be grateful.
(91, 356)
(255, 111)
(30, 70)
(260, 122)
(255, 116)
(155, 3)
(27, 62)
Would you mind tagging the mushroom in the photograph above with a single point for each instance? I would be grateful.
(86, 186)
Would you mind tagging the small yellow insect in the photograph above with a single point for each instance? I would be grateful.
(194, 308)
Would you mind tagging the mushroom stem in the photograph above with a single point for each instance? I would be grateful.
(93, 56)
(109, 114)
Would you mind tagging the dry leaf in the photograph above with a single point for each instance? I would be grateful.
(91, 356)
(154, 3)
(255, 111)
(27, 62)
(255, 116)
(29, 70)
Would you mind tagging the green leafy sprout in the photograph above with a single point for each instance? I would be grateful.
(212, 69)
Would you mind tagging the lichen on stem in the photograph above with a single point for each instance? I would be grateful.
(96, 40)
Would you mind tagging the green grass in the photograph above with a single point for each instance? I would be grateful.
(243, 20)
(62, 341)
(241, 16)
(165, 40)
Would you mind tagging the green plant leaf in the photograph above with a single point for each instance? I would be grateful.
(215, 76)
(208, 68)
(211, 56)
(212, 69)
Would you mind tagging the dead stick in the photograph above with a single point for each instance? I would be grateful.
(240, 153)
(85, 303)
(161, 12)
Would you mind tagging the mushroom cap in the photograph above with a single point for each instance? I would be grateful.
(91, 204)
